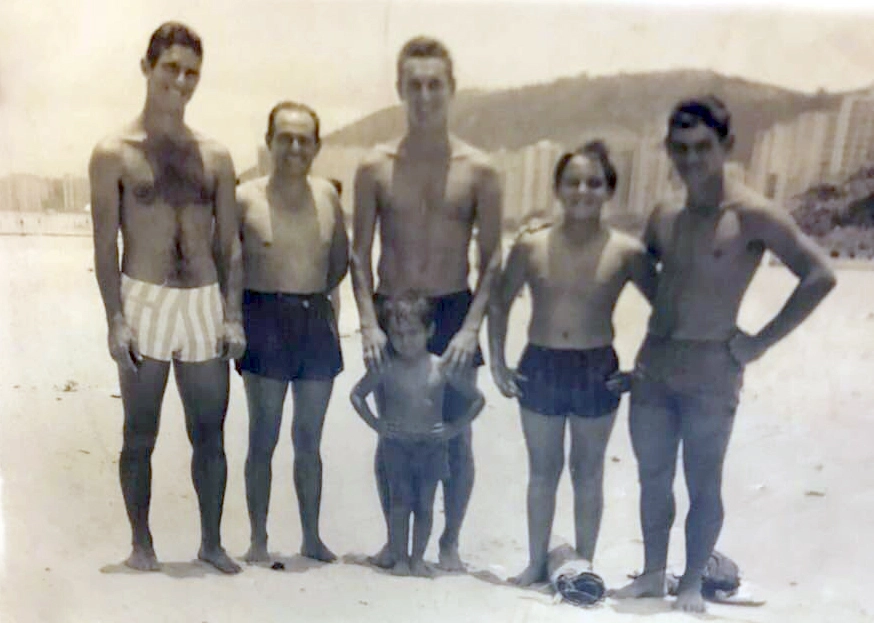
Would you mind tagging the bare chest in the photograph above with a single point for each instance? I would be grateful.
(710, 244)
(575, 270)
(176, 176)
(428, 191)
(305, 229)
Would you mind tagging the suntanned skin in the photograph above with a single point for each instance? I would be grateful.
(575, 270)
(165, 188)
(426, 193)
(294, 241)
(409, 388)
(708, 252)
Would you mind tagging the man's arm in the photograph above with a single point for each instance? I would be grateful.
(373, 340)
(642, 272)
(104, 172)
(230, 255)
(338, 259)
(359, 394)
(510, 281)
(463, 346)
(783, 238)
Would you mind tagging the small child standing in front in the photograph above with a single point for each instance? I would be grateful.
(409, 391)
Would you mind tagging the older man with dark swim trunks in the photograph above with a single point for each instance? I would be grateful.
(295, 253)
(177, 297)
(428, 191)
(690, 367)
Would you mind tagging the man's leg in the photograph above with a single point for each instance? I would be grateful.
(706, 431)
(142, 392)
(458, 487)
(265, 398)
(544, 438)
(310, 404)
(655, 437)
(589, 437)
(203, 387)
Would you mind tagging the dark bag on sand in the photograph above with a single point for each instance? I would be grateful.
(720, 574)
(721, 578)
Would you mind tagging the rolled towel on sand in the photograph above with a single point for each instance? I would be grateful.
(572, 577)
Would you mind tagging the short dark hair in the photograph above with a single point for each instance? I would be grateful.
(406, 307)
(289, 105)
(169, 34)
(708, 109)
(596, 150)
(425, 47)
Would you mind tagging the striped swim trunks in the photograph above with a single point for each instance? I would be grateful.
(182, 324)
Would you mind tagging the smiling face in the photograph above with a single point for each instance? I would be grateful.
(293, 144)
(698, 153)
(583, 188)
(408, 337)
(172, 79)
(426, 88)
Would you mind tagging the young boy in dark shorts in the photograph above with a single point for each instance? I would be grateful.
(410, 390)
(568, 377)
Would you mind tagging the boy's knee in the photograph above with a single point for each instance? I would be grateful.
(547, 473)
(137, 447)
(587, 472)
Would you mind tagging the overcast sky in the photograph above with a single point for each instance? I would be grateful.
(69, 71)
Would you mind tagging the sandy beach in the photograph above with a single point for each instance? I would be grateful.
(799, 483)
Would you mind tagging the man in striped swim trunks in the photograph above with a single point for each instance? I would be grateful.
(178, 295)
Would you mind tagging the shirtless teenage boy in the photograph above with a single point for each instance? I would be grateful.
(170, 191)
(568, 375)
(690, 367)
(295, 253)
(410, 388)
(427, 192)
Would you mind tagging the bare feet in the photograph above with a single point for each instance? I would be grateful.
(383, 559)
(689, 599)
(533, 574)
(448, 558)
(257, 553)
(219, 559)
(142, 558)
(318, 551)
(650, 584)
(421, 569)
(401, 568)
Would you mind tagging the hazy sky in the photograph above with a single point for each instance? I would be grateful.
(69, 71)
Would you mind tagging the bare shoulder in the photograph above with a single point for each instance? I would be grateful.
(107, 156)
(212, 151)
(378, 156)
(754, 209)
(625, 244)
(322, 187)
(479, 161)
(252, 190)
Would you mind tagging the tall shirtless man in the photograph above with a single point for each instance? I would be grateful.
(295, 253)
(428, 191)
(690, 367)
(170, 191)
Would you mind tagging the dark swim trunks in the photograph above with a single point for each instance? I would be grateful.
(449, 312)
(421, 460)
(290, 337)
(568, 382)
